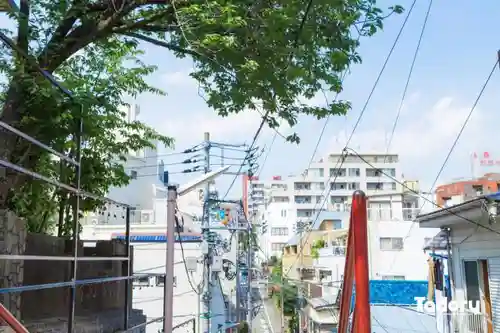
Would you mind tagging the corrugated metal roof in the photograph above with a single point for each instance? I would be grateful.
(396, 319)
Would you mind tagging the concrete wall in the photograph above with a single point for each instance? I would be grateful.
(99, 307)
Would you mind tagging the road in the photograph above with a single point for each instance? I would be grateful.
(268, 318)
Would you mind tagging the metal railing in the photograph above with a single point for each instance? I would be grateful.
(333, 250)
(389, 214)
(117, 217)
(466, 322)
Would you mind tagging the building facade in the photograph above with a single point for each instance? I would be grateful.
(307, 192)
(395, 243)
(277, 226)
(453, 193)
(469, 247)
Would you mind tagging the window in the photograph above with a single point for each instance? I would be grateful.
(279, 231)
(427, 240)
(354, 172)
(283, 213)
(393, 277)
(391, 243)
(133, 174)
(277, 247)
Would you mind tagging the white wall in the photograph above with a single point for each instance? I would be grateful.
(278, 215)
(150, 258)
(409, 262)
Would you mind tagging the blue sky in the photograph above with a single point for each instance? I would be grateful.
(456, 55)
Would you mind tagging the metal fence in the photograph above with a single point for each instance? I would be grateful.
(75, 284)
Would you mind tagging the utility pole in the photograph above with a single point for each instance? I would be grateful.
(249, 279)
(168, 300)
(282, 300)
(301, 265)
(205, 231)
(238, 279)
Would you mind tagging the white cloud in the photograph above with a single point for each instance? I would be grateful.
(239, 127)
(421, 133)
(178, 78)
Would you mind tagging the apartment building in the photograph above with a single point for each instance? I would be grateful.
(277, 226)
(453, 193)
(395, 242)
(306, 192)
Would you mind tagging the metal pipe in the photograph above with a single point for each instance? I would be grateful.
(76, 225)
(37, 143)
(169, 262)
(361, 271)
(12, 321)
(69, 283)
(58, 258)
(347, 283)
(126, 310)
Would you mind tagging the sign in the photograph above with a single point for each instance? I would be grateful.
(159, 238)
(486, 159)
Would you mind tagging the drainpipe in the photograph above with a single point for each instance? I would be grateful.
(451, 277)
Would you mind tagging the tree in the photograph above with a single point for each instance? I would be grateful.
(247, 55)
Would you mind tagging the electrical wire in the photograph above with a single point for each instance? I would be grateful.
(177, 229)
(382, 70)
(453, 146)
(363, 110)
(264, 117)
(446, 209)
(408, 79)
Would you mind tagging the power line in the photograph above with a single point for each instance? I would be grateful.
(405, 90)
(363, 110)
(342, 157)
(446, 209)
(452, 148)
(264, 117)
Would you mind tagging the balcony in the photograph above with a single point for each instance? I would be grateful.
(467, 322)
(389, 214)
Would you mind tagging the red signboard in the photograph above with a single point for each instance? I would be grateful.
(276, 177)
(254, 178)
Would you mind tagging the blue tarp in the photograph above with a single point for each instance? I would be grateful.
(391, 292)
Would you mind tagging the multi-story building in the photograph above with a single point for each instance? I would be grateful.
(395, 241)
(328, 177)
(277, 226)
(452, 193)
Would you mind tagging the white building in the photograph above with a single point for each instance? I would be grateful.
(149, 251)
(307, 191)
(395, 242)
(278, 225)
(470, 241)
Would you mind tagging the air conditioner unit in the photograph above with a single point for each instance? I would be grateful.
(147, 216)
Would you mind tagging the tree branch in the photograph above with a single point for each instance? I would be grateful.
(166, 45)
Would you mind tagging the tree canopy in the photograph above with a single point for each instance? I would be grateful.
(248, 55)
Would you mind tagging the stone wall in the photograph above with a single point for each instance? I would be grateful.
(12, 242)
(99, 307)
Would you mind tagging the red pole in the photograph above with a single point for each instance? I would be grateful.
(360, 230)
(7, 317)
(346, 296)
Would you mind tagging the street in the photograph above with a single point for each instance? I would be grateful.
(268, 319)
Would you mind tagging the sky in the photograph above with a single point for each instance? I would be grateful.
(456, 55)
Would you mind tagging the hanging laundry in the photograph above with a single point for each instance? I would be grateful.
(431, 280)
